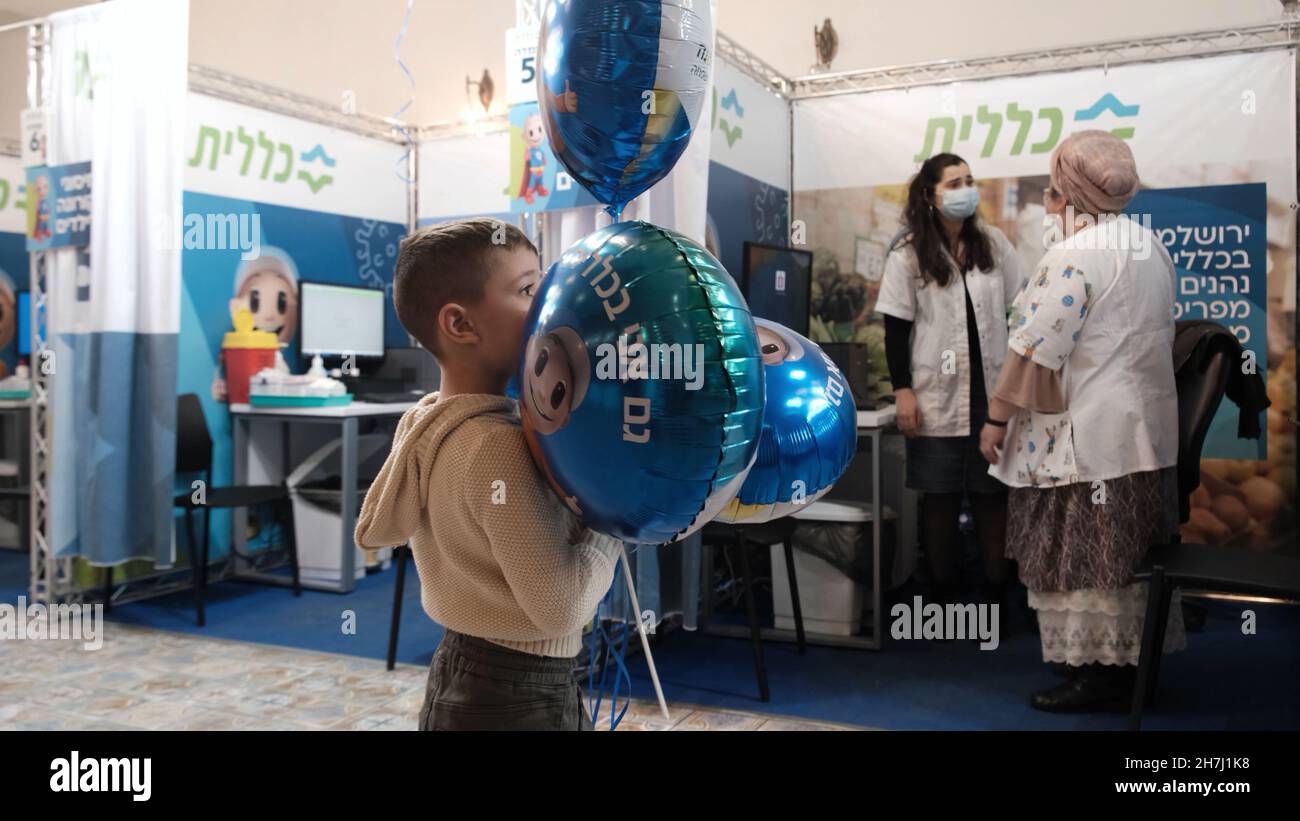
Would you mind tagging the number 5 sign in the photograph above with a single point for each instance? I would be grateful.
(521, 64)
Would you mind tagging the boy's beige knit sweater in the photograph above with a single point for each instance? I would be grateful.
(499, 556)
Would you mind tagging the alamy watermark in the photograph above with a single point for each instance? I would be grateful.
(212, 232)
(951, 621)
(125, 775)
(658, 360)
(42, 622)
(1115, 232)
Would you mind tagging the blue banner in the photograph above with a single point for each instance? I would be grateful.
(1217, 238)
(537, 180)
(58, 206)
(231, 247)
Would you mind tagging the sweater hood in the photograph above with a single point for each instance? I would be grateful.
(402, 487)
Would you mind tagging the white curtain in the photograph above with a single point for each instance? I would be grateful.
(118, 87)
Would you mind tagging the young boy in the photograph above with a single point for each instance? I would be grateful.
(503, 565)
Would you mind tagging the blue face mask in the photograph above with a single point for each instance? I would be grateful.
(961, 203)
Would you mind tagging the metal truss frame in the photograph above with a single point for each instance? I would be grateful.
(51, 577)
(1284, 33)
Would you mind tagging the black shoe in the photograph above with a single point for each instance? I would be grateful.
(1086, 693)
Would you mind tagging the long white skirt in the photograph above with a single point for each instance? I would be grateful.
(1100, 626)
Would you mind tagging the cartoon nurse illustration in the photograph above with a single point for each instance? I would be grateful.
(41, 227)
(268, 287)
(8, 317)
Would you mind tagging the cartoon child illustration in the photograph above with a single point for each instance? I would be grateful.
(555, 383)
(534, 133)
(534, 159)
(41, 231)
(566, 102)
(8, 317)
(778, 347)
(268, 287)
(776, 344)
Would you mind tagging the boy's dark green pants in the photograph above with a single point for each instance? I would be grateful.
(477, 685)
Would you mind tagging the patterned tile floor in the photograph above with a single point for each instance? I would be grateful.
(142, 679)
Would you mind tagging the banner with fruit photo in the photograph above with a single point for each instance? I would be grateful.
(1215, 143)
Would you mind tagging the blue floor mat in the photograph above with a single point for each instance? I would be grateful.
(1224, 680)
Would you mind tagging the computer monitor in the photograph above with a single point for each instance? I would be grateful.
(777, 284)
(338, 320)
(407, 369)
(23, 305)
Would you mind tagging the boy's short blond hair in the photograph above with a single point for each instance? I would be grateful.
(447, 262)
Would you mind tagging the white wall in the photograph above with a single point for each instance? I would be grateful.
(13, 57)
(324, 48)
(13, 74)
(894, 32)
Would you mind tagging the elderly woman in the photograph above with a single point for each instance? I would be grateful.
(1083, 425)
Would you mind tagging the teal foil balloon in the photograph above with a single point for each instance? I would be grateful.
(641, 383)
(810, 429)
(621, 88)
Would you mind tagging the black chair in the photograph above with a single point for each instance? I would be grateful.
(402, 554)
(194, 455)
(1214, 569)
(768, 533)
(23, 496)
(763, 534)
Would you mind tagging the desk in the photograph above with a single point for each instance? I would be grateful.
(871, 425)
(345, 417)
(16, 463)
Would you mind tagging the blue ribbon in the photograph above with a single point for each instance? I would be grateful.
(615, 651)
(402, 161)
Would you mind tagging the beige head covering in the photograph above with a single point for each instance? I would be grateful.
(1095, 172)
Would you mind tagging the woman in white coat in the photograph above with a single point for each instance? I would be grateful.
(1083, 425)
(944, 295)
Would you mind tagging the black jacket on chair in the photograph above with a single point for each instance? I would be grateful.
(1207, 363)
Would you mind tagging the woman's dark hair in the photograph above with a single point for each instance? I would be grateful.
(925, 229)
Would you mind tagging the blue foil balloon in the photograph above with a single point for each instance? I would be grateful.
(810, 429)
(641, 384)
(621, 87)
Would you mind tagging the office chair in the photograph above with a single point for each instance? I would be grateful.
(764, 534)
(194, 455)
(1215, 569)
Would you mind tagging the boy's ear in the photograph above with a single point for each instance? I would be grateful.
(455, 324)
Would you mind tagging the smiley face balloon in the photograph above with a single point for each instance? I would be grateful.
(640, 385)
(810, 429)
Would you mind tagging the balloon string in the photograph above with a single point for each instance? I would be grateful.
(594, 694)
(404, 160)
(625, 676)
(615, 652)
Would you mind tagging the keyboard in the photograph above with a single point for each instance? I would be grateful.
(389, 398)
